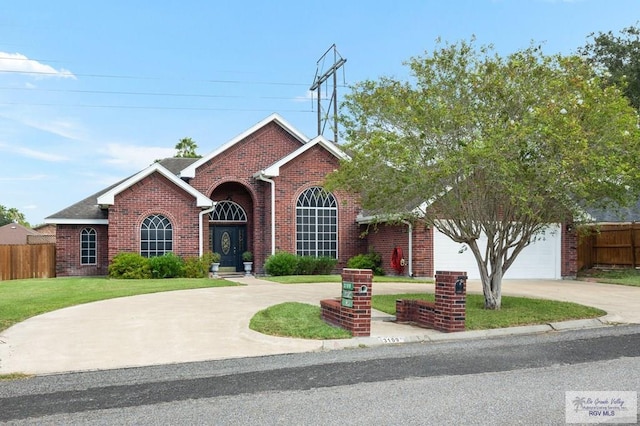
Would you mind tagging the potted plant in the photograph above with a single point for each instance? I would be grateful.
(247, 260)
(215, 265)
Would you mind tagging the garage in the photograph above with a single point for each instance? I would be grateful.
(539, 260)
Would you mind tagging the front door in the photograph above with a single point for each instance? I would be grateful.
(230, 242)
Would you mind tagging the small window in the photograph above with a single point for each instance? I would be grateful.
(156, 236)
(88, 247)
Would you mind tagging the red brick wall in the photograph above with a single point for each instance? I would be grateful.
(569, 262)
(154, 194)
(231, 174)
(68, 251)
(309, 170)
(383, 238)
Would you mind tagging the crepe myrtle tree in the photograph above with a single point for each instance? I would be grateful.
(475, 143)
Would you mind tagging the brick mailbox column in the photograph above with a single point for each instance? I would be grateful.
(451, 300)
(352, 311)
(356, 302)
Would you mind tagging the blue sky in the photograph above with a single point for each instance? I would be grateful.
(91, 92)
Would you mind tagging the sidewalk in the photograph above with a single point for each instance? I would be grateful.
(207, 324)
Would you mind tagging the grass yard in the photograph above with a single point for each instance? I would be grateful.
(307, 279)
(292, 319)
(627, 276)
(22, 299)
(515, 311)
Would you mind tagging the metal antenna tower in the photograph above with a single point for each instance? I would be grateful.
(338, 61)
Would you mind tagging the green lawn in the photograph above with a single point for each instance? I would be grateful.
(292, 319)
(627, 276)
(22, 299)
(515, 311)
(307, 279)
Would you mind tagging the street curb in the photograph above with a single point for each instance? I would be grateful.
(359, 342)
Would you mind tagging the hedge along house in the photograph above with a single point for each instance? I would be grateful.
(259, 192)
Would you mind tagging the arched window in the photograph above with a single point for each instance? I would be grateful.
(228, 211)
(156, 236)
(317, 224)
(88, 247)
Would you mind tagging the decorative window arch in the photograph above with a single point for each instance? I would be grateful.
(156, 236)
(317, 223)
(228, 211)
(88, 246)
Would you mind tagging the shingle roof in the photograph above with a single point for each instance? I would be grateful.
(175, 165)
(14, 233)
(626, 214)
(86, 210)
(89, 211)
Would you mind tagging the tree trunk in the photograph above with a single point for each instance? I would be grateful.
(491, 282)
(493, 292)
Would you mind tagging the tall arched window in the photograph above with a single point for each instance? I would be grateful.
(317, 224)
(156, 236)
(88, 246)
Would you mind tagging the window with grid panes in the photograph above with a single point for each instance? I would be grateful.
(88, 246)
(156, 236)
(317, 224)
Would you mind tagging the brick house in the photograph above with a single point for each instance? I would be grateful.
(259, 192)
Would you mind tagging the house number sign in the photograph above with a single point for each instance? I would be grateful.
(347, 294)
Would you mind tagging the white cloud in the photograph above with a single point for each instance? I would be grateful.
(32, 153)
(66, 128)
(134, 157)
(310, 96)
(18, 63)
(23, 178)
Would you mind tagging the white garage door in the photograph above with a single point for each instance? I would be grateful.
(539, 260)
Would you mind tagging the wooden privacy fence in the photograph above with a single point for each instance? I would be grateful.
(610, 245)
(27, 261)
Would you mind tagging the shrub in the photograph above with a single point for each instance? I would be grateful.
(130, 266)
(197, 267)
(325, 265)
(371, 260)
(247, 256)
(208, 258)
(166, 266)
(306, 265)
(281, 263)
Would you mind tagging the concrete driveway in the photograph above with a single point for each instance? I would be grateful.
(207, 324)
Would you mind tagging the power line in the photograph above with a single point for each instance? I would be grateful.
(130, 77)
(137, 107)
(113, 92)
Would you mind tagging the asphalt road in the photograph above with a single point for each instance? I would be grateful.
(507, 380)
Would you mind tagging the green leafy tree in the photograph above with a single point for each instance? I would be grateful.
(186, 148)
(476, 143)
(617, 58)
(8, 215)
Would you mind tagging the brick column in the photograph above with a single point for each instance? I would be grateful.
(450, 306)
(358, 318)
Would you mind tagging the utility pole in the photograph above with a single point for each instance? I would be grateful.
(338, 61)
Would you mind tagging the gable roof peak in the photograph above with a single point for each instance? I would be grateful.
(108, 198)
(190, 171)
